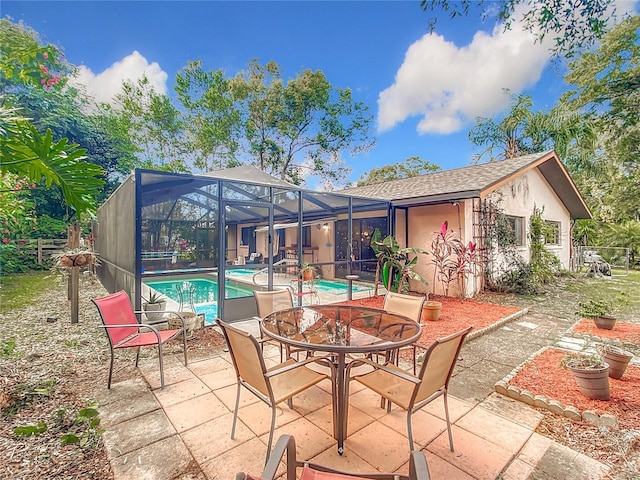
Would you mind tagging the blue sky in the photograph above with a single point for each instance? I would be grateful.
(424, 90)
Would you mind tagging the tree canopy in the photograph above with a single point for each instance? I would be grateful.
(411, 167)
(574, 24)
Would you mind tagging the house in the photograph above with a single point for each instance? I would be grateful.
(461, 197)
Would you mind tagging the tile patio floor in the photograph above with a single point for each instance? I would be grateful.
(183, 431)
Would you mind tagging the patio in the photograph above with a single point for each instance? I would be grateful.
(183, 431)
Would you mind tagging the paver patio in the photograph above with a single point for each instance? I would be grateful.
(183, 431)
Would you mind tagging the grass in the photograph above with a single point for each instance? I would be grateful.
(607, 288)
(17, 291)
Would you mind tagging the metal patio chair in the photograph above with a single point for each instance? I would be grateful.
(268, 302)
(274, 385)
(124, 330)
(286, 444)
(409, 306)
(412, 392)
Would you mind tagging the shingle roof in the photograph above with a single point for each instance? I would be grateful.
(476, 180)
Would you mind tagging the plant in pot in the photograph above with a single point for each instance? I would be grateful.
(617, 359)
(307, 272)
(601, 311)
(590, 372)
(155, 304)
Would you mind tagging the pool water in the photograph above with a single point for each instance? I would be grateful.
(205, 293)
(338, 288)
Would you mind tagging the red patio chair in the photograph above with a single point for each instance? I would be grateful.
(124, 330)
(418, 469)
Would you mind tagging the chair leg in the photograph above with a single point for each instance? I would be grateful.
(110, 370)
(271, 429)
(415, 351)
(137, 356)
(410, 431)
(446, 414)
(235, 411)
(184, 346)
(161, 365)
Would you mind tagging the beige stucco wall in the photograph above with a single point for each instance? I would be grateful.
(424, 222)
(518, 198)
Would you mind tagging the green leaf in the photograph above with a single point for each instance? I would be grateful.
(29, 430)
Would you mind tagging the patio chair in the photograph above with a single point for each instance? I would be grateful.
(272, 301)
(286, 444)
(409, 306)
(124, 330)
(272, 386)
(414, 392)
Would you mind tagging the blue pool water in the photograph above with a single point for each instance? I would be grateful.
(205, 293)
(338, 288)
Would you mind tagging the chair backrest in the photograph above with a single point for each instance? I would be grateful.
(439, 362)
(406, 305)
(269, 302)
(247, 357)
(115, 309)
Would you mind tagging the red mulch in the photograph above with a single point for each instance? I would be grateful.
(544, 376)
(623, 331)
(456, 315)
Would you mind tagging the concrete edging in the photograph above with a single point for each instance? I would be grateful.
(552, 405)
(489, 328)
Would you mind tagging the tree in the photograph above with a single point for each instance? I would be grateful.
(24, 150)
(153, 126)
(289, 129)
(411, 167)
(606, 89)
(575, 24)
(522, 131)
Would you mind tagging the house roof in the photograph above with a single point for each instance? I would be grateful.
(477, 181)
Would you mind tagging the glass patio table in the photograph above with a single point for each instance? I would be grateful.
(340, 330)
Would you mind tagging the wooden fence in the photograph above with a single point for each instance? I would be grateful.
(42, 247)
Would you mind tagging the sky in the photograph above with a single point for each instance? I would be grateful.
(425, 90)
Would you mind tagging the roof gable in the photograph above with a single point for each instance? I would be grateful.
(477, 181)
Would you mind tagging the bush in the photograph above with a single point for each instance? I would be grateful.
(14, 260)
(520, 280)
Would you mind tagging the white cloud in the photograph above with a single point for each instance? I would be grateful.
(104, 86)
(449, 86)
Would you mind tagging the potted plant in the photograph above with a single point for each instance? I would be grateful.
(601, 311)
(431, 309)
(591, 374)
(307, 272)
(617, 359)
(154, 304)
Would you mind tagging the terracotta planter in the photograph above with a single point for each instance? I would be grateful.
(431, 310)
(618, 360)
(308, 275)
(605, 323)
(594, 383)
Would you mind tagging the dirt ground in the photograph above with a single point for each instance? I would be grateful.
(50, 369)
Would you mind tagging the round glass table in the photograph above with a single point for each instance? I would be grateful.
(340, 330)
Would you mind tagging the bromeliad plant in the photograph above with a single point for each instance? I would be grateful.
(394, 263)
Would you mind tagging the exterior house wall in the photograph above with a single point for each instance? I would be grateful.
(518, 198)
(424, 222)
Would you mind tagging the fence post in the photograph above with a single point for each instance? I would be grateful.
(74, 277)
(39, 251)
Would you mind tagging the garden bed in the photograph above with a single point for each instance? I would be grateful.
(542, 382)
(624, 332)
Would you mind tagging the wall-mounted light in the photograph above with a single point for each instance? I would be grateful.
(325, 227)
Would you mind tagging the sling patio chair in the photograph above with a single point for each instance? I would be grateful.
(268, 302)
(409, 306)
(412, 392)
(286, 444)
(273, 385)
(125, 330)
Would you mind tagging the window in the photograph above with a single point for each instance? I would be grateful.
(552, 232)
(516, 225)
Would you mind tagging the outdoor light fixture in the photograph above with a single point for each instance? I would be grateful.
(325, 227)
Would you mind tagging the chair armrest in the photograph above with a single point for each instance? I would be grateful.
(285, 444)
(418, 468)
(290, 366)
(392, 370)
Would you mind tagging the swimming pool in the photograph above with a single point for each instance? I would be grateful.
(205, 293)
